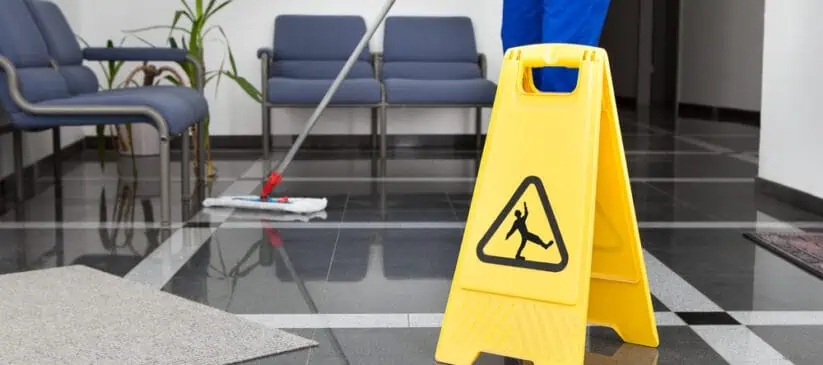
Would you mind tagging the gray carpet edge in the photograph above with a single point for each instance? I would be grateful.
(50, 308)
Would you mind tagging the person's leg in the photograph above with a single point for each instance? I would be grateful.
(536, 239)
(519, 255)
(574, 22)
(522, 24)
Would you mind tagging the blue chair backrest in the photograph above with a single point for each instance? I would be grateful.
(63, 47)
(22, 43)
(317, 46)
(430, 48)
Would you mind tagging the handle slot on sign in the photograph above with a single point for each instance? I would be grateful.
(549, 57)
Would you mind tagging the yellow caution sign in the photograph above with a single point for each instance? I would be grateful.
(551, 242)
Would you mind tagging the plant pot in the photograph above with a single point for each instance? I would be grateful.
(144, 139)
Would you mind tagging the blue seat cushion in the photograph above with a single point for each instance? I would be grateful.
(440, 92)
(431, 70)
(180, 106)
(322, 70)
(302, 91)
(189, 95)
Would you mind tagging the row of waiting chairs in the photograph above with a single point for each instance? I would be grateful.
(426, 62)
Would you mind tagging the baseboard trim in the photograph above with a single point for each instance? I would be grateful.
(748, 117)
(364, 142)
(789, 195)
(30, 174)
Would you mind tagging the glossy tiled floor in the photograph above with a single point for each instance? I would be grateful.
(369, 278)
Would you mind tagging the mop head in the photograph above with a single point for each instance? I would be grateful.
(253, 202)
(266, 216)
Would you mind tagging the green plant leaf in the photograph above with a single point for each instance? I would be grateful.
(172, 80)
(141, 39)
(210, 77)
(188, 8)
(218, 8)
(83, 41)
(177, 16)
(244, 84)
(210, 6)
(199, 6)
(156, 27)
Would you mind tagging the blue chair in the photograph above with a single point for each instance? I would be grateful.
(433, 62)
(43, 85)
(308, 53)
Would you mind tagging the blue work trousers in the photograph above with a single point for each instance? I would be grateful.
(553, 21)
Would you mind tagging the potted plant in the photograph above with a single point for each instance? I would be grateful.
(191, 24)
(123, 138)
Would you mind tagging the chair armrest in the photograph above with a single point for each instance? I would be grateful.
(134, 54)
(17, 97)
(266, 56)
(5, 121)
(268, 51)
(483, 63)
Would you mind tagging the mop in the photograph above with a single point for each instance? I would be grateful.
(266, 216)
(290, 204)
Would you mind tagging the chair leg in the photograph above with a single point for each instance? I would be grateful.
(266, 131)
(165, 184)
(478, 128)
(201, 156)
(19, 192)
(57, 156)
(185, 165)
(383, 133)
(375, 112)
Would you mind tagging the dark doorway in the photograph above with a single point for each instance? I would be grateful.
(621, 40)
(665, 41)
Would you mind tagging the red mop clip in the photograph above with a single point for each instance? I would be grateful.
(271, 182)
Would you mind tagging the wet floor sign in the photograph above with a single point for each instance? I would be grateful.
(551, 242)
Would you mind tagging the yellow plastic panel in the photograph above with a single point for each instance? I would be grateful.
(522, 283)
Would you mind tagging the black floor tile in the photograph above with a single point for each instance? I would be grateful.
(736, 143)
(734, 272)
(657, 143)
(112, 250)
(87, 167)
(707, 318)
(692, 126)
(732, 201)
(259, 271)
(412, 346)
(401, 215)
(107, 201)
(689, 166)
(396, 271)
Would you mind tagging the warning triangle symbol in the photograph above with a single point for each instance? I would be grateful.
(525, 241)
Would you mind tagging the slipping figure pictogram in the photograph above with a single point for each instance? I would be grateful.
(525, 236)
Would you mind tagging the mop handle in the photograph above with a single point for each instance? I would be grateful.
(275, 176)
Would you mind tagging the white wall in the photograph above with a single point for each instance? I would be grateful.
(721, 54)
(37, 146)
(791, 128)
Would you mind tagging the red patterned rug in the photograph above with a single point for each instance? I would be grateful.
(803, 249)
